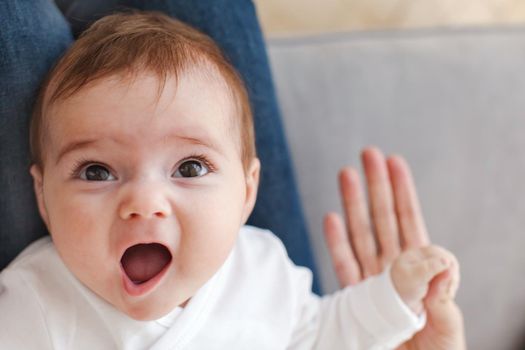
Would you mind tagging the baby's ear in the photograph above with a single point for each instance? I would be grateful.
(38, 186)
(252, 184)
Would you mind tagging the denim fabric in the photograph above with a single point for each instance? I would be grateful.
(31, 43)
(33, 34)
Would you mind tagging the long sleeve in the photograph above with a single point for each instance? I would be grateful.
(369, 315)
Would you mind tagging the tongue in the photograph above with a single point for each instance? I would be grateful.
(142, 262)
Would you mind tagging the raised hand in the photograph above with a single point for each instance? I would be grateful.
(373, 235)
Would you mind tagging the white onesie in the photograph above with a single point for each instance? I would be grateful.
(257, 300)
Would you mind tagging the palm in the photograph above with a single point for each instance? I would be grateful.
(359, 252)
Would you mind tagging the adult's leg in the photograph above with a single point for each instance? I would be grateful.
(234, 26)
(32, 36)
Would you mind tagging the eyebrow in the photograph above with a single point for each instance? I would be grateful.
(75, 145)
(205, 141)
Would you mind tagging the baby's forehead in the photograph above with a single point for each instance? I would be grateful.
(182, 102)
(206, 86)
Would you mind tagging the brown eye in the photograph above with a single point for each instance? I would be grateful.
(191, 168)
(96, 172)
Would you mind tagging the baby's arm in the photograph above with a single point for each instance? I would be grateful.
(367, 315)
(414, 270)
(385, 310)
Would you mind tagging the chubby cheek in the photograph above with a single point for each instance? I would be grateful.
(210, 227)
(78, 225)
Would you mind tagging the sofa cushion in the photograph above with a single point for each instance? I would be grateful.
(452, 102)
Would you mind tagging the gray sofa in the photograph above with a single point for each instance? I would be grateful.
(452, 102)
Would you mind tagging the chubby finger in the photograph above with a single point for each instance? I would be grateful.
(358, 222)
(437, 251)
(411, 223)
(382, 208)
(426, 270)
(412, 273)
(452, 276)
(344, 262)
(446, 268)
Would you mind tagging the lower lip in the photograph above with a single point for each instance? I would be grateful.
(136, 290)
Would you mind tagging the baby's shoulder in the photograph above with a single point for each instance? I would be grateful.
(29, 267)
(260, 239)
(22, 321)
(33, 255)
(258, 245)
(263, 255)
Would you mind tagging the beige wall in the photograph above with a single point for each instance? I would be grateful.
(296, 17)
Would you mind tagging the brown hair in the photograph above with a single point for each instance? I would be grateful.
(128, 43)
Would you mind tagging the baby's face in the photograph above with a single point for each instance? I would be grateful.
(144, 197)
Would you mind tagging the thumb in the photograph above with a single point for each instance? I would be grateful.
(439, 287)
(441, 309)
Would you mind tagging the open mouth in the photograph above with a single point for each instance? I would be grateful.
(144, 265)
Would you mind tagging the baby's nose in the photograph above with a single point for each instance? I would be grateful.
(144, 200)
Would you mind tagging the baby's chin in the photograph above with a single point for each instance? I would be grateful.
(148, 310)
(156, 304)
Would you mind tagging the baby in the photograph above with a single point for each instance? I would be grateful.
(145, 172)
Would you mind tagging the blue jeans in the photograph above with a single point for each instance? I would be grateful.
(34, 34)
